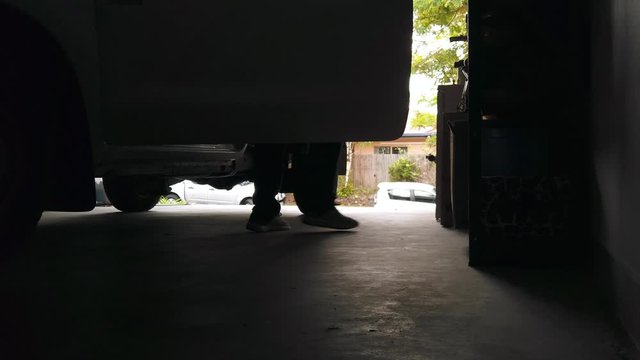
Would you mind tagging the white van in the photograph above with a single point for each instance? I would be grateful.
(146, 93)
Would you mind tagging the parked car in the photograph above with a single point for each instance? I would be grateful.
(405, 195)
(191, 192)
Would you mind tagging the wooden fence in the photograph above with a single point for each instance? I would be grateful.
(369, 170)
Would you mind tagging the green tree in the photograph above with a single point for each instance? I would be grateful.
(423, 120)
(439, 19)
(404, 170)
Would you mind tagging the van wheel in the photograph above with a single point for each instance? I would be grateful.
(20, 191)
(247, 201)
(133, 193)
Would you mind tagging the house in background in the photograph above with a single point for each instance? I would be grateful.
(371, 160)
(410, 143)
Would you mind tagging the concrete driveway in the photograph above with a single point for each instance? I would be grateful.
(189, 282)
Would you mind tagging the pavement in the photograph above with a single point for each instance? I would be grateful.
(189, 282)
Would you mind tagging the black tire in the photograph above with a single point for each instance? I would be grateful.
(132, 193)
(20, 188)
(247, 201)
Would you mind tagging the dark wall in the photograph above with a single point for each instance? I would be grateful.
(528, 93)
(615, 150)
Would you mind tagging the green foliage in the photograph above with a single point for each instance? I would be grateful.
(440, 19)
(431, 101)
(344, 189)
(404, 170)
(438, 64)
(351, 195)
(165, 201)
(423, 120)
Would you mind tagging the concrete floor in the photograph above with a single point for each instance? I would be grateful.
(188, 282)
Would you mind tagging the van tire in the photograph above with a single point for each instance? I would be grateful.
(20, 191)
(132, 193)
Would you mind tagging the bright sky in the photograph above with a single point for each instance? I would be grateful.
(420, 86)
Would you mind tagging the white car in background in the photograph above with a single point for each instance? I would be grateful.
(405, 195)
(194, 193)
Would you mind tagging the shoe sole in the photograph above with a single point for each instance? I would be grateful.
(264, 228)
(325, 224)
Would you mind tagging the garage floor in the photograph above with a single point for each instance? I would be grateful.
(188, 282)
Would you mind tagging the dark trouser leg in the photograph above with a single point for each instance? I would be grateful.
(268, 172)
(315, 173)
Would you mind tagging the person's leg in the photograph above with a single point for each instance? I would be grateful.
(315, 186)
(315, 172)
(268, 172)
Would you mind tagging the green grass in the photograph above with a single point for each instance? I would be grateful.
(170, 202)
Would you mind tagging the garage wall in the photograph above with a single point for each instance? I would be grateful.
(528, 141)
(615, 151)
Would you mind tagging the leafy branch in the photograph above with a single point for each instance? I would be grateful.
(438, 19)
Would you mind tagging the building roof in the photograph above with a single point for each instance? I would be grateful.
(425, 133)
